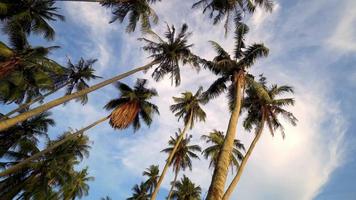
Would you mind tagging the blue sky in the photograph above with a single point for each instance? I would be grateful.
(312, 47)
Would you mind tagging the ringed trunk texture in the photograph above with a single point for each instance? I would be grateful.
(237, 177)
(37, 155)
(124, 115)
(217, 186)
(40, 109)
(27, 105)
(173, 183)
(170, 157)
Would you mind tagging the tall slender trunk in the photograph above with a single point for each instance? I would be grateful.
(173, 183)
(217, 186)
(37, 155)
(170, 157)
(27, 105)
(237, 177)
(40, 109)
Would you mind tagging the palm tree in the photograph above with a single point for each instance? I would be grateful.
(129, 108)
(25, 71)
(27, 132)
(185, 189)
(231, 9)
(47, 174)
(77, 186)
(175, 55)
(212, 152)
(261, 111)
(105, 198)
(232, 71)
(75, 77)
(139, 192)
(31, 15)
(134, 10)
(182, 158)
(188, 108)
(153, 175)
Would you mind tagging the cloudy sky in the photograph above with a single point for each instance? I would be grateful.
(312, 47)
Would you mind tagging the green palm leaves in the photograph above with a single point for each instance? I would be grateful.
(185, 189)
(132, 106)
(170, 53)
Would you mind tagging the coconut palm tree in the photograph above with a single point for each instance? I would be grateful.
(261, 111)
(27, 132)
(185, 189)
(129, 109)
(152, 174)
(31, 15)
(25, 71)
(77, 186)
(74, 77)
(182, 159)
(139, 192)
(176, 55)
(134, 11)
(216, 138)
(47, 174)
(188, 108)
(231, 9)
(232, 78)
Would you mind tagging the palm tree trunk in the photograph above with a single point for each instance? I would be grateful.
(37, 155)
(170, 157)
(217, 186)
(237, 177)
(40, 109)
(27, 105)
(173, 183)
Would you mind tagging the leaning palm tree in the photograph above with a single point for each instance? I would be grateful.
(129, 109)
(139, 192)
(185, 189)
(31, 15)
(134, 10)
(231, 9)
(77, 185)
(261, 111)
(216, 138)
(232, 78)
(152, 174)
(182, 159)
(167, 54)
(186, 107)
(74, 77)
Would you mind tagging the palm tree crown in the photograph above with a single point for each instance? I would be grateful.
(139, 192)
(229, 67)
(185, 189)
(170, 53)
(31, 15)
(231, 9)
(152, 174)
(188, 107)
(136, 11)
(132, 106)
(270, 108)
(77, 76)
(216, 138)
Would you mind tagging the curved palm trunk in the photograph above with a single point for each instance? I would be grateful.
(37, 155)
(217, 186)
(237, 177)
(170, 157)
(173, 183)
(40, 109)
(27, 105)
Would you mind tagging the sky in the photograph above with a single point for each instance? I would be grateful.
(312, 48)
